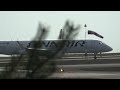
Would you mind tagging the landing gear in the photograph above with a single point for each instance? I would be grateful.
(95, 55)
(100, 54)
(86, 54)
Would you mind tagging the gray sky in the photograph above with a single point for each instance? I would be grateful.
(22, 25)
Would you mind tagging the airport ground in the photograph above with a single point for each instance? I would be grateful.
(78, 66)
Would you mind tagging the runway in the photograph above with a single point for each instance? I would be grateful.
(79, 67)
(86, 75)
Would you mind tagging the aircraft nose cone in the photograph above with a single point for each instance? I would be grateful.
(109, 48)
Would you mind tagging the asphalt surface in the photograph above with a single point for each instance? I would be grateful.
(77, 67)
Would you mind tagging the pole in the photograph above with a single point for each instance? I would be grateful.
(85, 41)
(85, 31)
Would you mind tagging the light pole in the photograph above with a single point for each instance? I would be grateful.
(85, 41)
(85, 31)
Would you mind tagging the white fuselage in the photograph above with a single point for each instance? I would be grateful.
(71, 46)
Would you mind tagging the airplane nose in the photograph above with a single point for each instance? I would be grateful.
(109, 48)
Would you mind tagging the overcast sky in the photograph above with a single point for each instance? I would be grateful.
(22, 25)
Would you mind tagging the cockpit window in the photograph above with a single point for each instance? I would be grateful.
(100, 43)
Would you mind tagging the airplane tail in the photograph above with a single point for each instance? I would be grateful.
(92, 32)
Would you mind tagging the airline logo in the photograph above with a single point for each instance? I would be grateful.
(57, 44)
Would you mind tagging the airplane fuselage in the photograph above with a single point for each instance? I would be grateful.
(70, 46)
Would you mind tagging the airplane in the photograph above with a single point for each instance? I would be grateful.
(71, 46)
